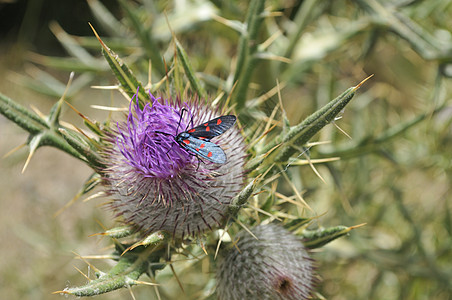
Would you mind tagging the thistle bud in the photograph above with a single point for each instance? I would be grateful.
(272, 265)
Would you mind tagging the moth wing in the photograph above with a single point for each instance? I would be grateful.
(208, 150)
(213, 128)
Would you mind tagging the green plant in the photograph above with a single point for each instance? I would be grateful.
(313, 49)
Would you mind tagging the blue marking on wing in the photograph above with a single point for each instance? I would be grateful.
(205, 149)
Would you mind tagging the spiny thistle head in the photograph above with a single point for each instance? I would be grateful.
(276, 265)
(155, 183)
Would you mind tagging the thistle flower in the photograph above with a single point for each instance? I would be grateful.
(155, 184)
(273, 266)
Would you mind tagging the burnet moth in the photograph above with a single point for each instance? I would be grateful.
(197, 139)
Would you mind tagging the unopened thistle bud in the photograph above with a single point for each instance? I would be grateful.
(274, 266)
(158, 184)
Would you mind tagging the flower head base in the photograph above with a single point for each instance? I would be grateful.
(273, 266)
(158, 185)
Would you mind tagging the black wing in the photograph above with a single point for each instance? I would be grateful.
(213, 128)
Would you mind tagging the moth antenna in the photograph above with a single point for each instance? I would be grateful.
(180, 119)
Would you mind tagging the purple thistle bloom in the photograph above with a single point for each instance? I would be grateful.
(274, 266)
(156, 184)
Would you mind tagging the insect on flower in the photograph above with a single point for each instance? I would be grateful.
(151, 178)
(197, 139)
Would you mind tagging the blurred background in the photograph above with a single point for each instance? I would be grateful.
(394, 173)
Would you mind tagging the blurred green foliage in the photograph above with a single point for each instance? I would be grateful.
(393, 174)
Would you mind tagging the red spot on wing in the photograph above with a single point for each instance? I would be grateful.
(202, 146)
(197, 149)
(207, 128)
(205, 124)
(219, 121)
(191, 130)
(209, 154)
(186, 142)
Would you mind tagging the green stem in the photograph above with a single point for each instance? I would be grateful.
(304, 15)
(371, 144)
(83, 148)
(130, 266)
(42, 132)
(246, 61)
(417, 233)
(298, 135)
(144, 34)
(120, 276)
(20, 115)
(421, 41)
(194, 81)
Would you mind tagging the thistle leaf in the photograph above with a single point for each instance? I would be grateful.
(127, 80)
(124, 274)
(300, 134)
(20, 115)
(318, 238)
(42, 132)
(118, 232)
(130, 266)
(105, 17)
(286, 145)
(194, 81)
(246, 61)
(144, 34)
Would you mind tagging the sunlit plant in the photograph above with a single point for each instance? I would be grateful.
(178, 169)
(197, 168)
